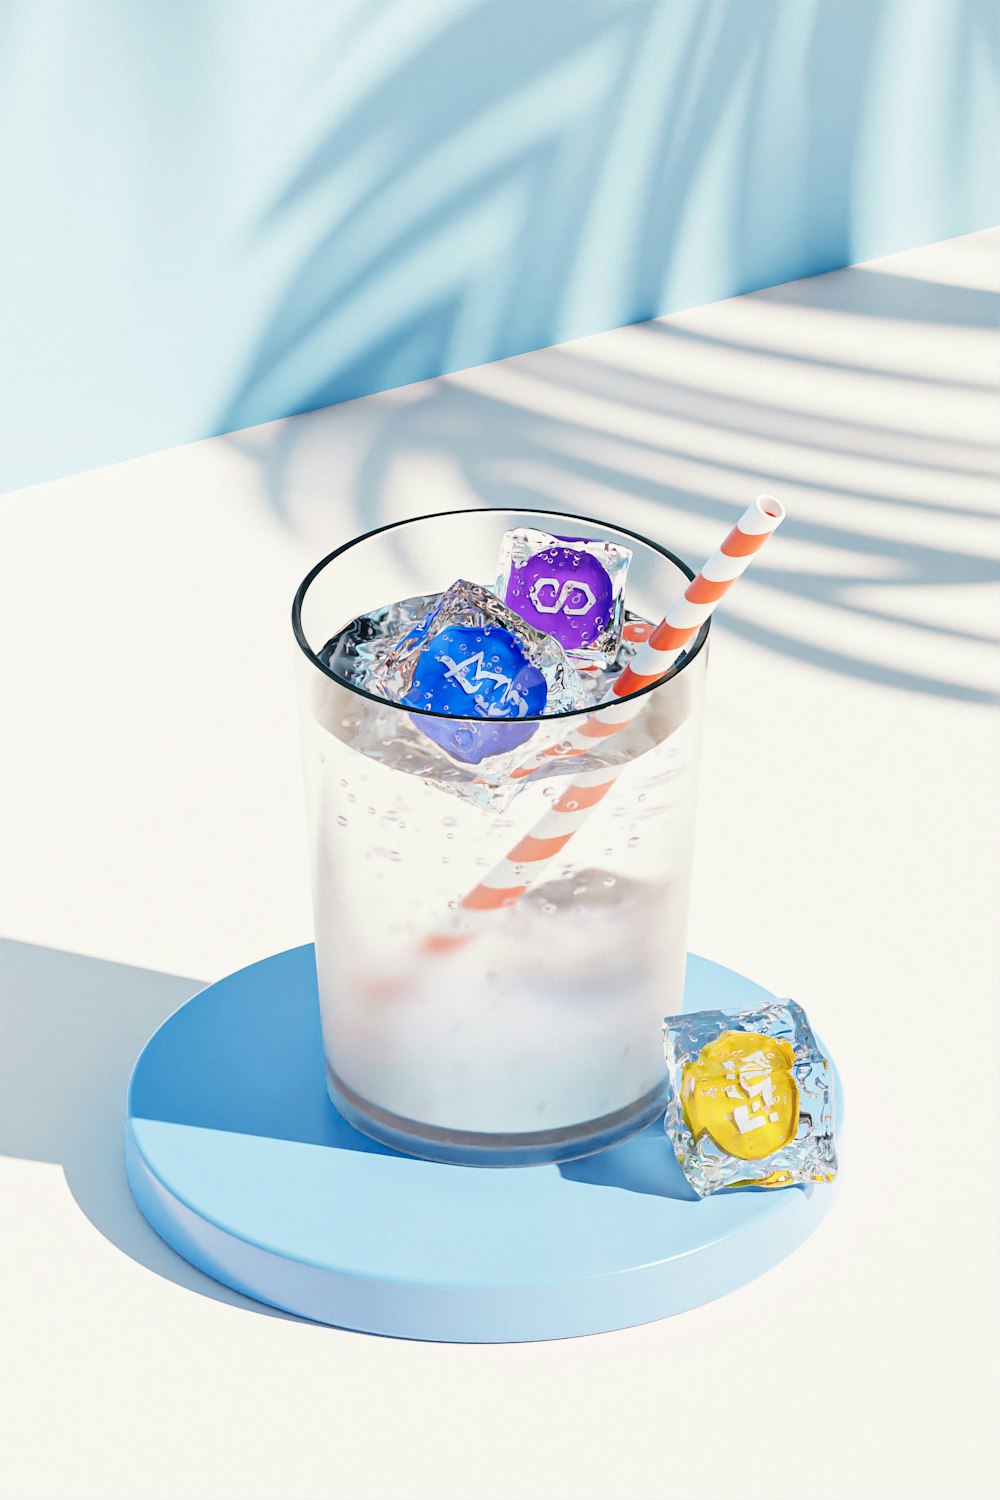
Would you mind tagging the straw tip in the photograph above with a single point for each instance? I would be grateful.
(768, 505)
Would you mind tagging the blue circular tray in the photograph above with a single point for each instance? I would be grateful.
(239, 1161)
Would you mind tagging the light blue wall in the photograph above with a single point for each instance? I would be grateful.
(214, 214)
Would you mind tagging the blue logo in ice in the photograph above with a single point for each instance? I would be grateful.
(476, 672)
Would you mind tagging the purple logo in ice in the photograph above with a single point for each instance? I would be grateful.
(564, 592)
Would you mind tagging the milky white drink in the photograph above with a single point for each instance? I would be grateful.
(539, 1038)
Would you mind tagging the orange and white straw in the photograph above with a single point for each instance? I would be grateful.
(658, 653)
(521, 867)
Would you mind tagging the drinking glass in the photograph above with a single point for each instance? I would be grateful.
(537, 1037)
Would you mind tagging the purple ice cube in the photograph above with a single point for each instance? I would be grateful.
(568, 587)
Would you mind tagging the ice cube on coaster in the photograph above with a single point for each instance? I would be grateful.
(472, 657)
(750, 1101)
(571, 588)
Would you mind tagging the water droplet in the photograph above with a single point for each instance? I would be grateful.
(343, 782)
(579, 890)
(641, 797)
(395, 855)
(609, 881)
(631, 843)
(371, 812)
(342, 821)
(351, 797)
(548, 908)
(449, 835)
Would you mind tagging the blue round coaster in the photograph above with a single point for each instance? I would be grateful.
(239, 1161)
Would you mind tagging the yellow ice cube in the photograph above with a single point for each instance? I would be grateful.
(742, 1092)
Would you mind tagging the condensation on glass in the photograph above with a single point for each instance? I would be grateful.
(539, 1038)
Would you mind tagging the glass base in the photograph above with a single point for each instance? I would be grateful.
(470, 1148)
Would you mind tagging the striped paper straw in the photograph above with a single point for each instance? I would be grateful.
(658, 653)
(521, 867)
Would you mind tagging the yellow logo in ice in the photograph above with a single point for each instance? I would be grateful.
(742, 1092)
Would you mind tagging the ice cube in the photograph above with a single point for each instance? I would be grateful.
(356, 653)
(568, 587)
(472, 658)
(750, 1100)
(467, 669)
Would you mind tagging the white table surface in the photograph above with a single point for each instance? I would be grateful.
(151, 818)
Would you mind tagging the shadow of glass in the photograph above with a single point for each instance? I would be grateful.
(247, 1066)
(644, 1164)
(70, 1030)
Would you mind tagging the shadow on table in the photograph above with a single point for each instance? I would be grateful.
(658, 433)
(70, 1030)
(644, 1164)
(246, 1066)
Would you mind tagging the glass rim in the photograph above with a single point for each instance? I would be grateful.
(683, 660)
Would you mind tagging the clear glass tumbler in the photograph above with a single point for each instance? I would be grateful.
(537, 1036)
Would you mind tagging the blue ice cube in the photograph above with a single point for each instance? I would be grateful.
(479, 671)
(472, 657)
